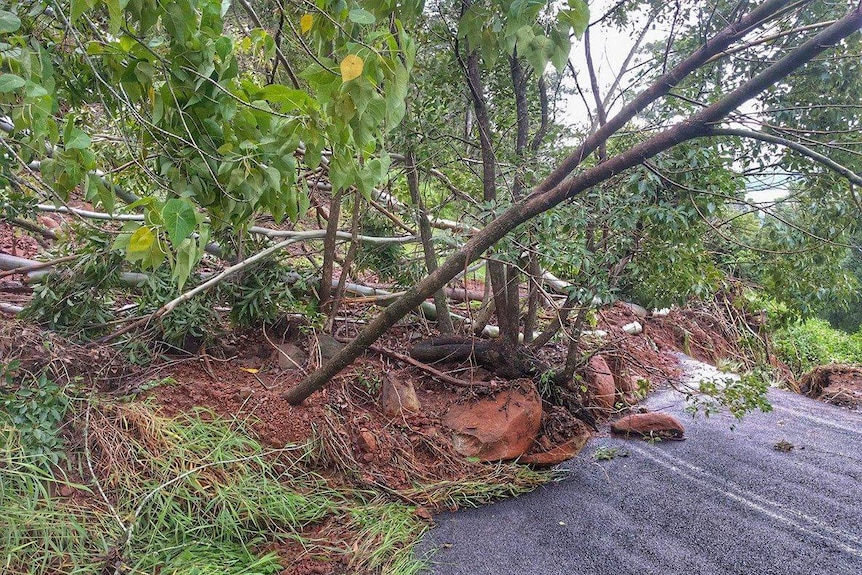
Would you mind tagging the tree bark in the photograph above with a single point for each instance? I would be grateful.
(444, 321)
(329, 252)
(544, 197)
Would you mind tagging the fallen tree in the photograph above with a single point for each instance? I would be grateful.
(562, 185)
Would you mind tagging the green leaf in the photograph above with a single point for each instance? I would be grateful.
(289, 99)
(10, 82)
(180, 219)
(33, 91)
(360, 16)
(141, 241)
(9, 22)
(186, 259)
(76, 140)
(577, 16)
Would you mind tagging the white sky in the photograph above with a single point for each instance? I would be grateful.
(610, 47)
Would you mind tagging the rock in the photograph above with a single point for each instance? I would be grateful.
(397, 397)
(561, 452)
(65, 490)
(653, 424)
(637, 310)
(633, 328)
(600, 382)
(329, 346)
(366, 441)
(290, 356)
(627, 386)
(504, 427)
(48, 222)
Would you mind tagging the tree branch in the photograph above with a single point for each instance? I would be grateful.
(543, 199)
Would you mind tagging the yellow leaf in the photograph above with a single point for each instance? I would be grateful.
(306, 22)
(250, 369)
(351, 67)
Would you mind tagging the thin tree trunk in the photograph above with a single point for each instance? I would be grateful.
(348, 259)
(531, 317)
(329, 244)
(556, 323)
(573, 350)
(549, 194)
(444, 321)
(496, 269)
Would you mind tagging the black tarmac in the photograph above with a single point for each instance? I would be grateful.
(777, 493)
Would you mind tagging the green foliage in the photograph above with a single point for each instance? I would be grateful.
(211, 143)
(738, 396)
(608, 453)
(814, 342)
(261, 295)
(386, 260)
(32, 408)
(77, 298)
(194, 496)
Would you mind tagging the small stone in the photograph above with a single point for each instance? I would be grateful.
(633, 328)
(653, 424)
(397, 397)
(637, 310)
(48, 222)
(65, 490)
(367, 442)
(329, 346)
(290, 356)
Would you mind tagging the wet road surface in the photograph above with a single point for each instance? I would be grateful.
(725, 501)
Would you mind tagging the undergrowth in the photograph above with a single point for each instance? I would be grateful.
(189, 495)
(138, 492)
(814, 342)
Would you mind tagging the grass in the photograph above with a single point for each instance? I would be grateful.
(197, 495)
(814, 342)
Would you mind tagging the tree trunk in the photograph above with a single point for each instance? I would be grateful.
(555, 189)
(444, 321)
(348, 260)
(329, 243)
(572, 351)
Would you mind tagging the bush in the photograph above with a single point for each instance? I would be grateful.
(814, 342)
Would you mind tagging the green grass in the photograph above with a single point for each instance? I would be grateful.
(196, 495)
(814, 342)
(187, 496)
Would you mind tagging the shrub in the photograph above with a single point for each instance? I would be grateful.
(814, 342)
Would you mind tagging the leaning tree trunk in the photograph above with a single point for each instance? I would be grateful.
(556, 188)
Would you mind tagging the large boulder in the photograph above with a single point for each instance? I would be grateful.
(503, 427)
(600, 382)
(653, 424)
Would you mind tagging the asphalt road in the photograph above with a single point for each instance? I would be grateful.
(725, 501)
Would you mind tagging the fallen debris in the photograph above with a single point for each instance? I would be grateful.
(649, 425)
